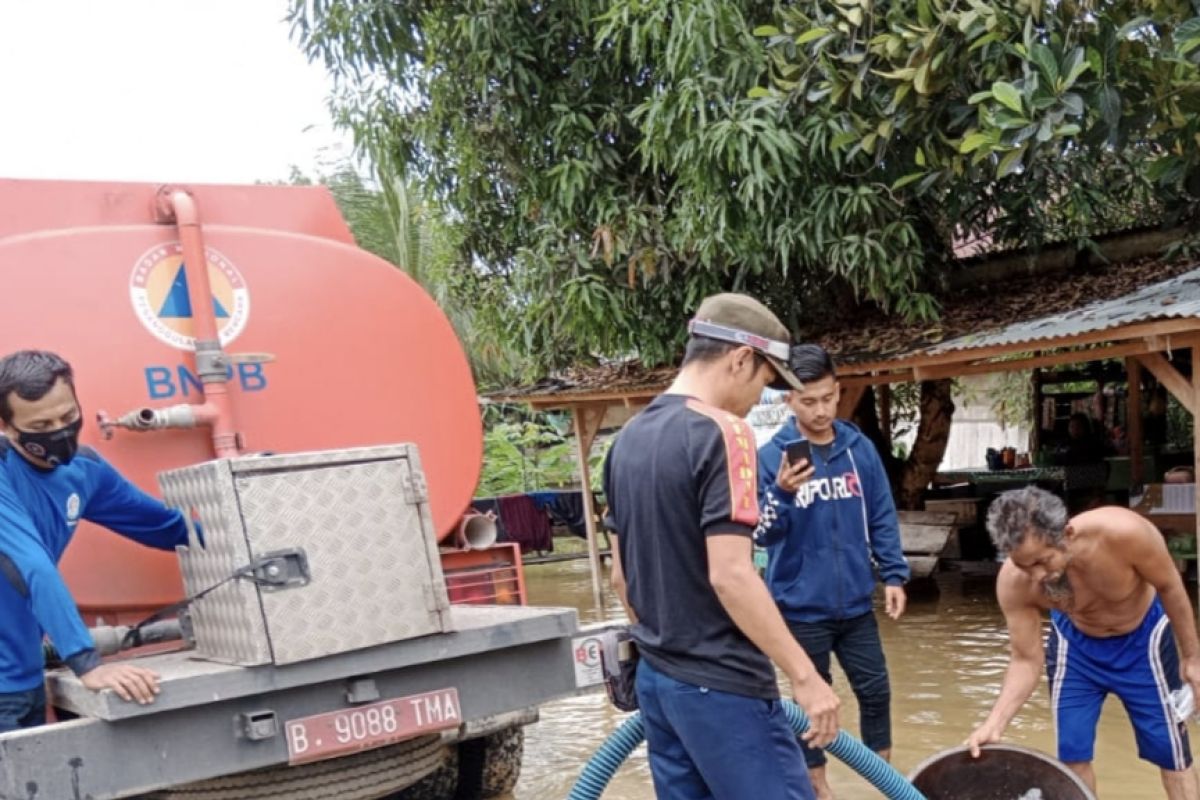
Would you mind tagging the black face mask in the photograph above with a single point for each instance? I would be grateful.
(54, 447)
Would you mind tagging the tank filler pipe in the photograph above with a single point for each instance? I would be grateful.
(177, 206)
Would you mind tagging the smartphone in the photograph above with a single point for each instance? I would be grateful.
(798, 449)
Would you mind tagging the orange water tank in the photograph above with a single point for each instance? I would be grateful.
(362, 355)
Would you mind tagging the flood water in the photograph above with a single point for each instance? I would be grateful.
(946, 657)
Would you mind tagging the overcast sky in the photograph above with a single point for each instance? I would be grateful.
(158, 90)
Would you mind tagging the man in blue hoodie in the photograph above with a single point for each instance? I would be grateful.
(48, 483)
(825, 537)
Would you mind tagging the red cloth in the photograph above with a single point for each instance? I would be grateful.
(526, 523)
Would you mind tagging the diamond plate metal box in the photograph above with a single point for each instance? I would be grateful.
(361, 518)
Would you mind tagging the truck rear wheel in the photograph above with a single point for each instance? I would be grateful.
(361, 776)
(502, 761)
(490, 765)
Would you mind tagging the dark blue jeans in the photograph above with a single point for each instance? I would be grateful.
(706, 744)
(856, 644)
(22, 709)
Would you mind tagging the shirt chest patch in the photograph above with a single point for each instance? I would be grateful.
(73, 507)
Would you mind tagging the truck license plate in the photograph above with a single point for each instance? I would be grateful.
(350, 730)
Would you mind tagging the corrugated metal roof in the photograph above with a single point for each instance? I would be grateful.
(1175, 298)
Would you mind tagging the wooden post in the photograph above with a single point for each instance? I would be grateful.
(587, 421)
(885, 413)
(1035, 430)
(1196, 431)
(849, 400)
(1133, 423)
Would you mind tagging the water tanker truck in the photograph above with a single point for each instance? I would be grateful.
(343, 631)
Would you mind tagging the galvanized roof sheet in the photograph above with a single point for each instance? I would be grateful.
(1175, 298)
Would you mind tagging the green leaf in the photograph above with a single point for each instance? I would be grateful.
(912, 177)
(1070, 129)
(983, 41)
(1007, 94)
(979, 97)
(974, 141)
(759, 91)
(1073, 104)
(1161, 168)
(903, 74)
(842, 139)
(1076, 65)
(766, 30)
(921, 79)
(925, 13)
(868, 143)
(919, 157)
(1010, 163)
(811, 34)
(1044, 58)
(1109, 101)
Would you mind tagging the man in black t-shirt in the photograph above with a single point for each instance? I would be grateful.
(681, 484)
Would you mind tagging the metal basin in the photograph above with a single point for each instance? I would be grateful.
(1002, 772)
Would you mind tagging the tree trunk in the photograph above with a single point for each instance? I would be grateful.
(933, 432)
(867, 420)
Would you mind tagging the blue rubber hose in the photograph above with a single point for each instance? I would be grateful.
(624, 740)
(860, 758)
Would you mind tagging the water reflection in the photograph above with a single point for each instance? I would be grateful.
(946, 656)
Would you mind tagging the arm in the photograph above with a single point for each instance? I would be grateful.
(745, 597)
(617, 576)
(34, 575)
(776, 494)
(125, 509)
(883, 532)
(1150, 558)
(617, 579)
(883, 526)
(1027, 656)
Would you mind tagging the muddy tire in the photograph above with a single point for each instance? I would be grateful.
(441, 784)
(361, 776)
(502, 761)
(486, 767)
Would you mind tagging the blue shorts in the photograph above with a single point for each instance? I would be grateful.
(1140, 667)
(705, 744)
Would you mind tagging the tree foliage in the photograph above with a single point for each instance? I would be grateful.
(609, 162)
(1026, 121)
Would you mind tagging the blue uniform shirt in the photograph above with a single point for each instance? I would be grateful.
(39, 512)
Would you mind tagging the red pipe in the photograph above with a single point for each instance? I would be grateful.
(216, 411)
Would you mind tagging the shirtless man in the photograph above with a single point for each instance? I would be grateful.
(1114, 598)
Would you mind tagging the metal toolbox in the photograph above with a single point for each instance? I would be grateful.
(311, 553)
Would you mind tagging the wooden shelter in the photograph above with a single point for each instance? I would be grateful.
(1147, 313)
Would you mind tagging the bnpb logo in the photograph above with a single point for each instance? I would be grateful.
(158, 289)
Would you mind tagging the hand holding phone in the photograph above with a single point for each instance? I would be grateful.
(795, 467)
(798, 450)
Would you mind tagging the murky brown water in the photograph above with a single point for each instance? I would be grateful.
(946, 656)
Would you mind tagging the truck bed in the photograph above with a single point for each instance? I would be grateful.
(499, 660)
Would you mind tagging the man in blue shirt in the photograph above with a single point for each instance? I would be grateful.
(47, 485)
(827, 528)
